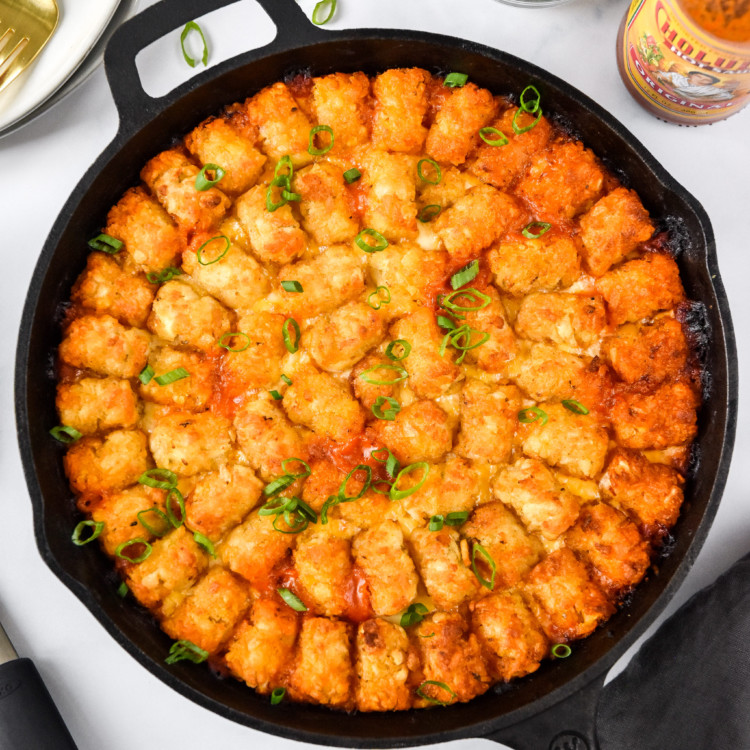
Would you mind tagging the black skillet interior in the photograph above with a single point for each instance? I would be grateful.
(148, 126)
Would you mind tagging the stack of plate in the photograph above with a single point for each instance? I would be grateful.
(73, 53)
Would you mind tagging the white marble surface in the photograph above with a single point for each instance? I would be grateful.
(109, 700)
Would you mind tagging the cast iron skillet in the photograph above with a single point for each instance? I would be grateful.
(554, 707)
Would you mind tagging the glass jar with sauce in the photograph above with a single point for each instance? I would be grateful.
(687, 61)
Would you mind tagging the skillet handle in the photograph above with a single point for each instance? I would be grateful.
(133, 104)
(568, 725)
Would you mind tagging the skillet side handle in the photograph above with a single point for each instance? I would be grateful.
(568, 725)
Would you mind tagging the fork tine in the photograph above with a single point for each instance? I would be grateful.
(4, 38)
(8, 71)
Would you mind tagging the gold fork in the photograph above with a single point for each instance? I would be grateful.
(25, 27)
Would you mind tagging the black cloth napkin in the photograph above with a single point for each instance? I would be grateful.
(688, 687)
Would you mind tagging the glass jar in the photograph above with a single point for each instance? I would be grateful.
(687, 61)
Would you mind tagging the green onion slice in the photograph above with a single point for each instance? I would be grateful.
(123, 590)
(311, 147)
(199, 253)
(289, 196)
(517, 129)
(404, 346)
(304, 473)
(123, 555)
(532, 106)
(444, 322)
(65, 434)
(284, 163)
(320, 8)
(278, 485)
(402, 374)
(291, 286)
(390, 461)
(281, 182)
(77, 536)
(561, 651)
(166, 275)
(291, 344)
(276, 396)
(536, 229)
(455, 80)
(488, 558)
(179, 373)
(382, 295)
(352, 175)
(292, 600)
(436, 523)
(428, 213)
(277, 695)
(388, 414)
(460, 338)
(203, 181)
(204, 542)
(465, 275)
(225, 341)
(193, 26)
(500, 138)
(470, 294)
(160, 479)
(154, 531)
(397, 494)
(531, 414)
(186, 650)
(177, 495)
(426, 178)
(575, 406)
(286, 379)
(457, 518)
(105, 243)
(420, 692)
(414, 615)
(381, 243)
(342, 489)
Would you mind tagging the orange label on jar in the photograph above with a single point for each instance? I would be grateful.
(678, 68)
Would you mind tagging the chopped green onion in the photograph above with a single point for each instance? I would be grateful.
(160, 479)
(291, 286)
(488, 558)
(146, 374)
(159, 532)
(531, 107)
(173, 519)
(193, 26)
(65, 434)
(105, 243)
(414, 615)
(428, 213)
(289, 196)
(379, 298)
(465, 275)
(528, 230)
(292, 345)
(444, 322)
(531, 414)
(436, 523)
(199, 252)
(561, 651)
(381, 243)
(204, 542)
(342, 497)
(405, 349)
(517, 128)
(282, 181)
(292, 600)
(435, 166)
(320, 8)
(397, 494)
(441, 685)
(387, 414)
(203, 182)
(402, 375)
(500, 140)
(305, 473)
(123, 590)
(460, 338)
(457, 518)
(455, 80)
(223, 341)
(352, 175)
(473, 295)
(286, 379)
(296, 513)
(122, 554)
(311, 147)
(390, 461)
(186, 650)
(278, 485)
(96, 529)
(166, 275)
(179, 373)
(575, 406)
(276, 395)
(277, 695)
(284, 163)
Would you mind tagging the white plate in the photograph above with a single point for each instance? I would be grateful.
(81, 24)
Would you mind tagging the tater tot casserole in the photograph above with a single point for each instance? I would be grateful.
(378, 390)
